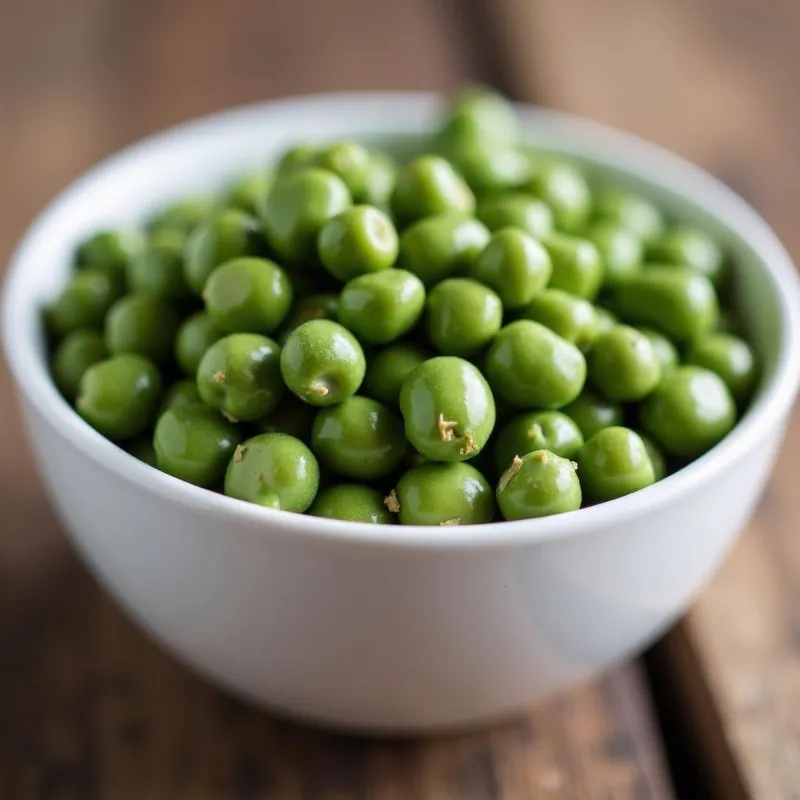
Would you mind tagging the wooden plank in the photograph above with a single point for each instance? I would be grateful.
(91, 707)
(710, 80)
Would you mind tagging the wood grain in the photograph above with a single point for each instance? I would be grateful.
(91, 708)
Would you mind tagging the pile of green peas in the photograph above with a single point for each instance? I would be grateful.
(475, 334)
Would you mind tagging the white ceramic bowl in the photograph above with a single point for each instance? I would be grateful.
(390, 628)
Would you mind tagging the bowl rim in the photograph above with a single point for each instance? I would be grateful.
(613, 148)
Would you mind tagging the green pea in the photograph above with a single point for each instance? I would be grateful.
(656, 456)
(665, 350)
(480, 113)
(195, 335)
(382, 306)
(388, 369)
(273, 470)
(139, 323)
(621, 250)
(442, 494)
(689, 412)
(572, 318)
(248, 295)
(538, 484)
(462, 316)
(247, 192)
(110, 251)
(158, 269)
(448, 409)
(182, 217)
(531, 367)
(312, 306)
(296, 158)
(239, 375)
(577, 266)
(731, 358)
(437, 247)
(322, 362)
(489, 167)
(360, 240)
(566, 191)
(353, 503)
(678, 302)
(516, 210)
(181, 393)
(692, 248)
(292, 416)
(119, 396)
(515, 265)
(427, 186)
(632, 212)
(77, 352)
(605, 320)
(142, 449)
(225, 235)
(359, 438)
(380, 180)
(591, 413)
(297, 207)
(623, 365)
(351, 162)
(613, 463)
(537, 430)
(194, 443)
(83, 303)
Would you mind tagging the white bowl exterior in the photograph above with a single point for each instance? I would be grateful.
(385, 629)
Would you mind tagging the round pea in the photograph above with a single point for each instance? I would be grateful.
(538, 484)
(731, 358)
(380, 180)
(110, 251)
(158, 269)
(572, 318)
(239, 375)
(623, 365)
(592, 413)
(689, 247)
(139, 323)
(657, 457)
(195, 335)
(382, 306)
(296, 158)
(462, 316)
(194, 443)
(322, 362)
(292, 416)
(119, 396)
(183, 216)
(577, 266)
(388, 369)
(442, 494)
(181, 393)
(83, 303)
(248, 295)
(516, 210)
(353, 503)
(480, 113)
(613, 463)
(448, 409)
(531, 367)
(429, 185)
(605, 319)
(351, 162)
(689, 412)
(489, 167)
(620, 249)
(361, 239)
(632, 212)
(538, 430)
(77, 352)
(246, 192)
(666, 352)
(566, 191)
(273, 470)
(515, 265)
(297, 207)
(312, 306)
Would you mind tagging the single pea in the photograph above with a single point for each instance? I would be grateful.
(566, 191)
(158, 269)
(183, 216)
(239, 375)
(142, 449)
(322, 362)
(537, 430)
(572, 318)
(689, 412)
(538, 484)
(139, 323)
(613, 463)
(656, 456)
(298, 157)
(592, 413)
(225, 235)
(110, 251)
(462, 316)
(515, 265)
(353, 503)
(273, 470)
(689, 247)
(194, 443)
(516, 210)
(488, 167)
(380, 180)
(531, 367)
(389, 368)
(360, 240)
(292, 416)
(437, 247)
(312, 306)
(620, 249)
(119, 396)
(623, 365)
(382, 306)
(634, 213)
(77, 352)
(248, 295)
(297, 207)
(83, 303)
(678, 302)
(731, 358)
(448, 409)
(181, 393)
(195, 335)
(427, 186)
(351, 162)
(577, 266)
(481, 113)
(246, 192)
(605, 320)
(442, 494)
(359, 438)
(665, 350)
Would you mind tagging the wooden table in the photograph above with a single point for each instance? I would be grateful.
(90, 708)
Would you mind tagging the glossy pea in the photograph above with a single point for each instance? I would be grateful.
(656, 456)
(489, 167)
(623, 365)
(605, 319)
(182, 217)
(538, 484)
(427, 186)
(380, 180)
(195, 335)
(631, 211)
(83, 303)
(295, 158)
(389, 367)
(592, 413)
(577, 266)
(566, 191)
(621, 250)
(731, 358)
(665, 350)
(516, 210)
(572, 318)
(692, 248)
(480, 113)
(110, 251)
(537, 430)
(613, 463)
(247, 192)
(158, 269)
(77, 352)
(181, 393)
(139, 323)
(351, 162)
(352, 502)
